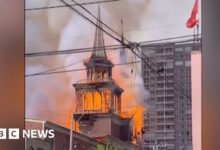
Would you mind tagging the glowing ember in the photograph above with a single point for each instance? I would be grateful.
(136, 113)
(131, 104)
(92, 101)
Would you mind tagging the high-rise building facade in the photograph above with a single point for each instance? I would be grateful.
(167, 120)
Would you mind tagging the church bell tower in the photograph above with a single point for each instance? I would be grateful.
(98, 97)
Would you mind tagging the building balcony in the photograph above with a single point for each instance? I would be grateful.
(165, 123)
(165, 95)
(165, 88)
(163, 81)
(164, 109)
(166, 116)
(164, 102)
(164, 131)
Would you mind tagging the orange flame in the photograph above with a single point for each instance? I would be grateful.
(130, 108)
(93, 101)
(130, 105)
(136, 113)
(75, 125)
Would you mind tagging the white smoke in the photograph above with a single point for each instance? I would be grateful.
(59, 29)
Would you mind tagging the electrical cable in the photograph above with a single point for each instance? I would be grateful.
(92, 35)
(72, 64)
(86, 3)
(62, 67)
(72, 51)
(73, 70)
(132, 46)
(99, 20)
(149, 44)
(83, 16)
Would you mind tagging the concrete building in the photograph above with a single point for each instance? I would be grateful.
(168, 121)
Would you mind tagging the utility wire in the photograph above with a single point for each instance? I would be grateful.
(73, 70)
(81, 6)
(178, 88)
(173, 38)
(83, 16)
(108, 27)
(132, 46)
(92, 35)
(62, 67)
(149, 44)
(152, 65)
(50, 70)
(57, 72)
(85, 3)
(72, 8)
(72, 51)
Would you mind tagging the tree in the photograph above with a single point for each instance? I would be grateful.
(110, 147)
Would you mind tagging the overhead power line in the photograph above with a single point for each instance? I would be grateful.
(92, 35)
(72, 70)
(134, 47)
(89, 20)
(61, 6)
(50, 70)
(58, 68)
(72, 51)
(174, 38)
(163, 43)
(105, 25)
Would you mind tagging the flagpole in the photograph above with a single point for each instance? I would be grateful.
(197, 26)
(197, 41)
(194, 38)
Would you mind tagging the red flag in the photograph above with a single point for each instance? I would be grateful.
(192, 21)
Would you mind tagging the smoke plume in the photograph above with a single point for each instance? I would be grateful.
(51, 97)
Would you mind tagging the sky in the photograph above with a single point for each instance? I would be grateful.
(61, 28)
(143, 20)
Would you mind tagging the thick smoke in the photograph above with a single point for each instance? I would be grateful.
(51, 97)
(47, 97)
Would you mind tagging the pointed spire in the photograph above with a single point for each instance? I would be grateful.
(99, 39)
(122, 50)
(122, 31)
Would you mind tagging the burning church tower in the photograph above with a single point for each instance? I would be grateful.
(98, 98)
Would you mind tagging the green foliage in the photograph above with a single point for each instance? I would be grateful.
(114, 148)
(99, 147)
(110, 147)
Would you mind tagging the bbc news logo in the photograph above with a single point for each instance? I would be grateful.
(14, 133)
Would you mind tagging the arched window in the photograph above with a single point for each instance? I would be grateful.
(97, 101)
(88, 102)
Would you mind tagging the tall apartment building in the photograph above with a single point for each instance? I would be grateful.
(167, 120)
